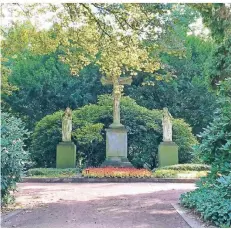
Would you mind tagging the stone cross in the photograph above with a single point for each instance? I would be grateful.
(117, 90)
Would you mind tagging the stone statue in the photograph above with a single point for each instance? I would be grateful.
(167, 126)
(67, 125)
(116, 107)
(118, 85)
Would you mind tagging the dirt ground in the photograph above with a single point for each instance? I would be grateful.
(104, 205)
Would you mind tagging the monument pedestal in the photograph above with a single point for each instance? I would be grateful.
(167, 154)
(66, 155)
(116, 148)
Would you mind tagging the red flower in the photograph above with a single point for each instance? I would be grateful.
(116, 172)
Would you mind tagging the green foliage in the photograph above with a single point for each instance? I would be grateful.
(97, 40)
(215, 147)
(13, 156)
(46, 86)
(51, 172)
(186, 95)
(6, 87)
(212, 201)
(217, 17)
(188, 167)
(48, 133)
(219, 68)
(212, 198)
(169, 173)
(89, 123)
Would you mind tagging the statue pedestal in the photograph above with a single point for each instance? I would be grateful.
(167, 154)
(116, 148)
(66, 155)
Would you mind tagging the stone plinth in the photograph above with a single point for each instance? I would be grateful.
(66, 155)
(167, 154)
(116, 148)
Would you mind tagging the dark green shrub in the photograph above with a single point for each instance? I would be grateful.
(89, 123)
(188, 167)
(13, 156)
(213, 197)
(47, 133)
(215, 147)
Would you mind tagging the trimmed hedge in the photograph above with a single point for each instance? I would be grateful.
(89, 124)
(178, 174)
(52, 172)
(188, 167)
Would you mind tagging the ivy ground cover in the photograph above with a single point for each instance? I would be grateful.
(116, 172)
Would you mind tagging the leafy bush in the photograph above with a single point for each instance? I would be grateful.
(46, 136)
(13, 156)
(168, 173)
(116, 172)
(188, 167)
(89, 123)
(213, 197)
(215, 147)
(212, 201)
(51, 172)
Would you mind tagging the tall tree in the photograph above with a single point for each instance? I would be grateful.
(110, 35)
(45, 86)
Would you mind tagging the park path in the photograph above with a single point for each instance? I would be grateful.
(104, 205)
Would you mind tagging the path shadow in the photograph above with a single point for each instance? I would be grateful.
(148, 210)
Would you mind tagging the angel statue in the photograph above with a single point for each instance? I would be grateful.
(167, 125)
(67, 125)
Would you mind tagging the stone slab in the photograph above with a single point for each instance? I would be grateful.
(66, 155)
(121, 162)
(116, 148)
(167, 154)
(116, 142)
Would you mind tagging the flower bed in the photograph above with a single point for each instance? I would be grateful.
(116, 172)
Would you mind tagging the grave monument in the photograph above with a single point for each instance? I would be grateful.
(66, 150)
(168, 150)
(116, 134)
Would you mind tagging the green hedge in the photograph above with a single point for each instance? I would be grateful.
(189, 167)
(51, 172)
(178, 174)
(89, 124)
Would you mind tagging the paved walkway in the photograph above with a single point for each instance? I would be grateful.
(99, 205)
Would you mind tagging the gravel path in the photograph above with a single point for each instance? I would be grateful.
(98, 205)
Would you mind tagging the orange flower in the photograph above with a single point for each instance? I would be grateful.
(116, 172)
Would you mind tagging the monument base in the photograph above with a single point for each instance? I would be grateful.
(167, 154)
(66, 155)
(122, 162)
(116, 148)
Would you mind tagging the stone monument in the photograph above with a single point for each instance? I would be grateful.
(66, 150)
(116, 134)
(168, 150)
